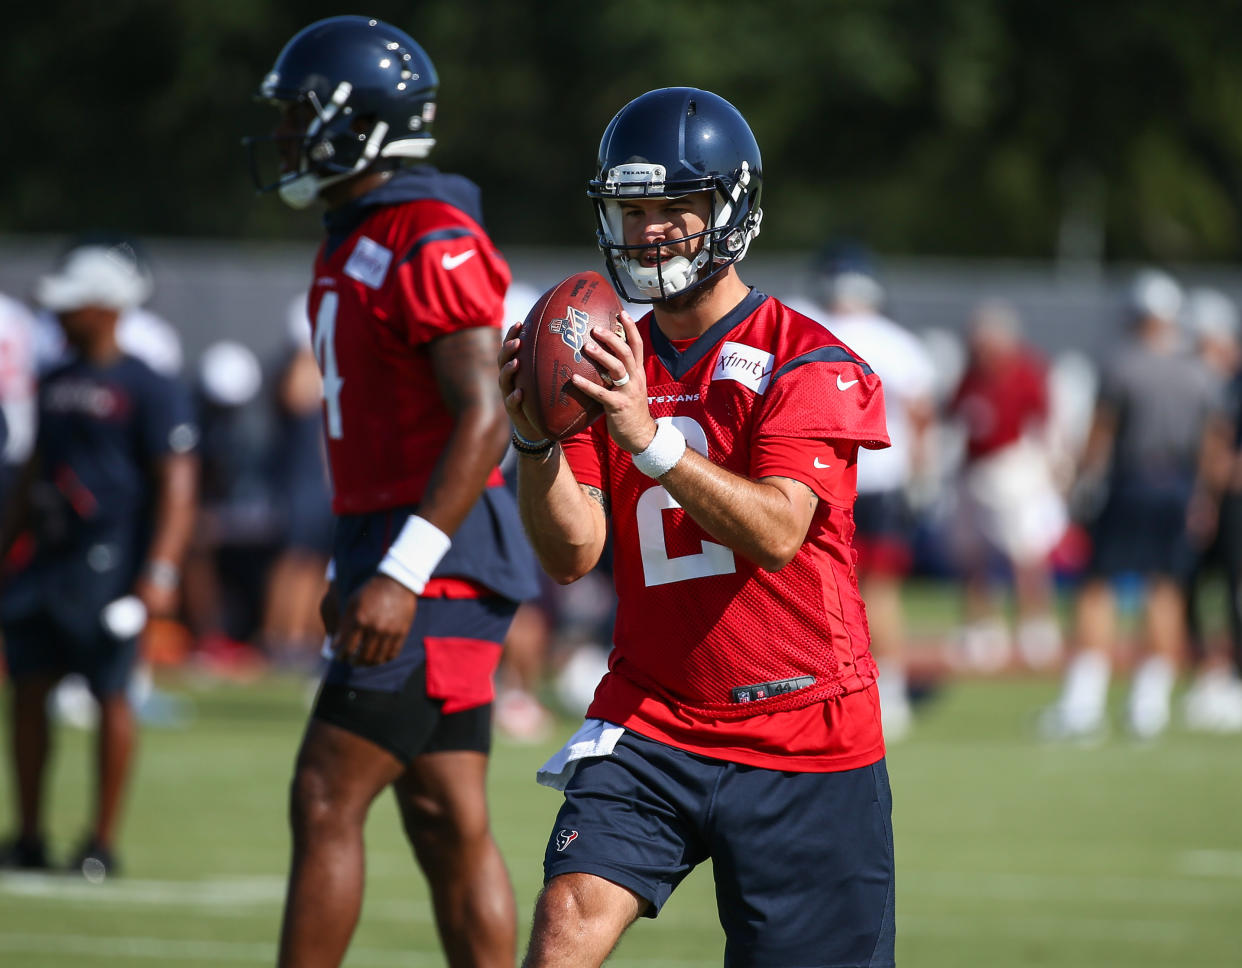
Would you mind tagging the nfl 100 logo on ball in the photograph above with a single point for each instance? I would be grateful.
(553, 336)
(573, 330)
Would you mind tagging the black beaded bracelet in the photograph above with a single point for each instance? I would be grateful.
(531, 448)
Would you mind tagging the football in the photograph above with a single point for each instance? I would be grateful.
(552, 335)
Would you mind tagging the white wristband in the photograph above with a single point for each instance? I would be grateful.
(662, 454)
(414, 555)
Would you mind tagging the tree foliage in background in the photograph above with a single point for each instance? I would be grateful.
(955, 127)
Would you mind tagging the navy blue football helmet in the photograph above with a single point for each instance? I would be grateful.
(370, 93)
(666, 144)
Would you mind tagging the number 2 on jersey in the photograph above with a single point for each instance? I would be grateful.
(325, 353)
(658, 567)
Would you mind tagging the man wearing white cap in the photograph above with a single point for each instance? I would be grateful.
(105, 509)
(113, 270)
(1159, 423)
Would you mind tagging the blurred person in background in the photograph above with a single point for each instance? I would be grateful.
(106, 507)
(149, 337)
(1010, 513)
(429, 558)
(1213, 703)
(17, 388)
(236, 534)
(1150, 469)
(849, 303)
(140, 332)
(292, 630)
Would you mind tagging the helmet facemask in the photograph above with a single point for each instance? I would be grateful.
(733, 222)
(357, 90)
(340, 141)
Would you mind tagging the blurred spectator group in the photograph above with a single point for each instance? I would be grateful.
(1061, 494)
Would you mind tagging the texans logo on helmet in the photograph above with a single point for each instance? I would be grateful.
(564, 838)
(572, 330)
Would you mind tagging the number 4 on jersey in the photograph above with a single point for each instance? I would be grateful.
(325, 353)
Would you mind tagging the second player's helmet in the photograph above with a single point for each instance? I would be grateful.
(665, 144)
(371, 93)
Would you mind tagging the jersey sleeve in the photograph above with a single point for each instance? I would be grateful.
(820, 408)
(450, 279)
(827, 394)
(167, 424)
(586, 452)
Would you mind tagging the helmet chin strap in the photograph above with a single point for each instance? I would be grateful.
(677, 274)
(301, 192)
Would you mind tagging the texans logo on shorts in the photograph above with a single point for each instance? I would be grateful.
(564, 838)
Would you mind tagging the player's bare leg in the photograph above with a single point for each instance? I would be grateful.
(579, 919)
(444, 809)
(1080, 710)
(115, 755)
(1152, 684)
(337, 777)
(31, 744)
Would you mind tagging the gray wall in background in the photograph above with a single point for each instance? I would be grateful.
(213, 290)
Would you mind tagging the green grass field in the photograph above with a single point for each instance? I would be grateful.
(1010, 853)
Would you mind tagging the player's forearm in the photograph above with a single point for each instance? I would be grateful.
(753, 518)
(565, 527)
(474, 449)
(175, 510)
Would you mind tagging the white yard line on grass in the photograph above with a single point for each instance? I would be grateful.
(170, 951)
(1110, 930)
(1211, 863)
(232, 897)
(1171, 889)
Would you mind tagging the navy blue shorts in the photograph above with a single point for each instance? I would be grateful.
(437, 693)
(803, 862)
(1142, 529)
(39, 645)
(53, 613)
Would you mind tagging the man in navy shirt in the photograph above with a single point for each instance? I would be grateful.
(105, 509)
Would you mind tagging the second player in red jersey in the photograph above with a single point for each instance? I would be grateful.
(739, 714)
(390, 278)
(430, 564)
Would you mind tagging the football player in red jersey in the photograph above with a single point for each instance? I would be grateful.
(405, 309)
(739, 719)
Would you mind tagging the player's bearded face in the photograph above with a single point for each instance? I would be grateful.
(666, 226)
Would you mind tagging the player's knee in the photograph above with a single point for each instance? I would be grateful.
(316, 804)
(584, 905)
(445, 825)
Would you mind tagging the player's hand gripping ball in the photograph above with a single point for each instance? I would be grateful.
(553, 335)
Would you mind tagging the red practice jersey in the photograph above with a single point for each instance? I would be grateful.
(713, 653)
(390, 279)
(997, 405)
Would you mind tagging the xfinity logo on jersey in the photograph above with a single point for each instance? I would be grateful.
(369, 263)
(572, 330)
(564, 838)
(747, 365)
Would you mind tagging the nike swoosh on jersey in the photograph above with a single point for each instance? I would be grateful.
(819, 465)
(844, 384)
(451, 262)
